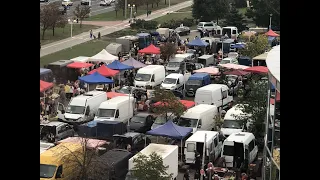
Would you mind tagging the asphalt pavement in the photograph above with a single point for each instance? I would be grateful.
(95, 7)
(84, 37)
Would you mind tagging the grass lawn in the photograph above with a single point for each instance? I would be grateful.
(62, 33)
(243, 10)
(89, 48)
(173, 16)
(111, 16)
(185, 9)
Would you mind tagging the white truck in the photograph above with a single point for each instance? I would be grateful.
(169, 154)
(173, 81)
(120, 108)
(150, 76)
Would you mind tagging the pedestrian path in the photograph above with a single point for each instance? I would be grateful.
(105, 30)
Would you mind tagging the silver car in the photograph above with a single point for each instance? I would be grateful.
(60, 130)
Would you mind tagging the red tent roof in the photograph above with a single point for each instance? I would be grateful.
(105, 71)
(79, 65)
(237, 72)
(111, 95)
(150, 50)
(257, 69)
(45, 85)
(272, 33)
(187, 104)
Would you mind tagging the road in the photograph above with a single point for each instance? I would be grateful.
(95, 7)
(84, 37)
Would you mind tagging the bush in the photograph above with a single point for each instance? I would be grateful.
(142, 24)
(172, 24)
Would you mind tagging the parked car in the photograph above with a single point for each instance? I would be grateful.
(60, 130)
(136, 140)
(141, 122)
(105, 3)
(67, 3)
(209, 26)
(182, 30)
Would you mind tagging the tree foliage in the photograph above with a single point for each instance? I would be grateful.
(50, 15)
(167, 50)
(150, 167)
(256, 46)
(253, 102)
(234, 18)
(169, 103)
(260, 12)
(82, 12)
(207, 10)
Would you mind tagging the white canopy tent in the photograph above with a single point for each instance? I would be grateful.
(80, 59)
(103, 56)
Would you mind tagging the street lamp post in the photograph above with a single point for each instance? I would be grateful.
(125, 9)
(270, 18)
(131, 7)
(71, 22)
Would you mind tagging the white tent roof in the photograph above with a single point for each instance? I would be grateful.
(103, 56)
(80, 59)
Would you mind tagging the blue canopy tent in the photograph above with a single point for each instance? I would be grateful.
(95, 78)
(117, 65)
(169, 129)
(198, 42)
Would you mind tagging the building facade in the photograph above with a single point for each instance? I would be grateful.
(271, 153)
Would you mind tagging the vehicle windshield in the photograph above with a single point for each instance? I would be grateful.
(160, 120)
(142, 77)
(138, 119)
(194, 82)
(232, 124)
(47, 171)
(173, 64)
(106, 112)
(187, 122)
(169, 81)
(75, 109)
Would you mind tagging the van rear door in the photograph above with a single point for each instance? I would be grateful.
(203, 98)
(189, 152)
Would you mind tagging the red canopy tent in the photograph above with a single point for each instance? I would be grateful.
(257, 69)
(150, 50)
(45, 85)
(105, 71)
(237, 72)
(79, 65)
(111, 95)
(187, 104)
(272, 33)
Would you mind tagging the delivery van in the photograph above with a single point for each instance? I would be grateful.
(232, 122)
(239, 148)
(58, 162)
(214, 94)
(119, 108)
(201, 116)
(196, 142)
(196, 81)
(173, 81)
(84, 107)
(206, 60)
(149, 76)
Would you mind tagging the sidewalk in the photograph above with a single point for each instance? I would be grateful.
(84, 37)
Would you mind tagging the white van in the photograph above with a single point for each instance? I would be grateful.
(84, 107)
(213, 94)
(201, 116)
(238, 148)
(231, 31)
(120, 108)
(232, 122)
(173, 81)
(150, 76)
(196, 142)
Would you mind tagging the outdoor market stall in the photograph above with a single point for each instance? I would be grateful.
(257, 69)
(237, 72)
(233, 66)
(103, 56)
(117, 65)
(210, 70)
(45, 86)
(186, 103)
(134, 63)
(79, 65)
(95, 78)
(272, 33)
(198, 42)
(111, 95)
(105, 71)
(171, 130)
(260, 60)
(80, 59)
(151, 49)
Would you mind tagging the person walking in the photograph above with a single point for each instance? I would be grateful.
(186, 175)
(91, 34)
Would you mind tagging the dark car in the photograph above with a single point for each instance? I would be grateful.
(136, 140)
(182, 30)
(141, 122)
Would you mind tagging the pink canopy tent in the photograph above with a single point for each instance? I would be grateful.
(210, 70)
(272, 33)
(79, 65)
(45, 85)
(257, 69)
(233, 66)
(237, 72)
(150, 50)
(105, 71)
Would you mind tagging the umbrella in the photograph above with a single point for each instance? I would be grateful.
(257, 69)
(237, 72)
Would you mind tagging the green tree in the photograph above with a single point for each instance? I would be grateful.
(207, 10)
(82, 12)
(256, 46)
(240, 3)
(260, 12)
(234, 18)
(253, 102)
(167, 50)
(170, 103)
(152, 167)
